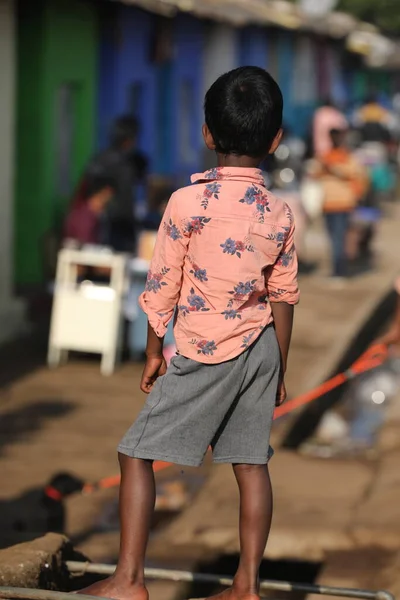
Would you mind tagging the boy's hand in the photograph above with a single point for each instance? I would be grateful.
(281, 393)
(155, 367)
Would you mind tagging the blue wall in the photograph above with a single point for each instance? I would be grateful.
(127, 76)
(253, 47)
(285, 79)
(187, 100)
(166, 97)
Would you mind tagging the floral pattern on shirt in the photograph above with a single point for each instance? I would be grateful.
(205, 347)
(241, 291)
(231, 313)
(233, 247)
(277, 293)
(155, 280)
(195, 303)
(247, 340)
(211, 190)
(199, 274)
(254, 194)
(279, 236)
(172, 230)
(286, 258)
(196, 224)
(289, 214)
(215, 173)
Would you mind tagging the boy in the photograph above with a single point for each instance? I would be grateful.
(225, 260)
(344, 183)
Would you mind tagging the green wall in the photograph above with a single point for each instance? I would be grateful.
(57, 46)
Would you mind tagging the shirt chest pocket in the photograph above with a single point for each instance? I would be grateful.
(268, 241)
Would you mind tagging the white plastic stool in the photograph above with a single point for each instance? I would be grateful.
(87, 317)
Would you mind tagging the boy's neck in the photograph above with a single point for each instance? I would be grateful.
(232, 160)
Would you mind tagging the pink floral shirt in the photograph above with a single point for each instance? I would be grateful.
(224, 252)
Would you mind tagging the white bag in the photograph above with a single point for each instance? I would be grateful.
(312, 197)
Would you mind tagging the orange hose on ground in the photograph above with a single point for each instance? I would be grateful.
(114, 481)
(372, 358)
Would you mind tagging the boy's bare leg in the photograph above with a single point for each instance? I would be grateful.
(255, 522)
(136, 506)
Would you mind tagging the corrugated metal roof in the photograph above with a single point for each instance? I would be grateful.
(161, 7)
(280, 13)
(236, 12)
(284, 14)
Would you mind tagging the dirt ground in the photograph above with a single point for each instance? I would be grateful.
(71, 419)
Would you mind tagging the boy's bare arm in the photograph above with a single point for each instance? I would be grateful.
(156, 365)
(154, 347)
(283, 320)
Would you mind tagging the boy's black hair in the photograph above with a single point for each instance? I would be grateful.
(124, 129)
(95, 184)
(243, 111)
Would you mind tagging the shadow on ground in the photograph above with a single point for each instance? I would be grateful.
(19, 423)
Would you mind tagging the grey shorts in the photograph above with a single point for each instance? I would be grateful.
(228, 406)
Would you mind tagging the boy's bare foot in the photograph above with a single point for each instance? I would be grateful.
(116, 590)
(234, 594)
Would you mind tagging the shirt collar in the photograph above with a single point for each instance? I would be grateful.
(230, 174)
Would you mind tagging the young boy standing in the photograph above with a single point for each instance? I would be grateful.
(225, 264)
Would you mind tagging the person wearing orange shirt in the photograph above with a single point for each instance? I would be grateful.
(344, 182)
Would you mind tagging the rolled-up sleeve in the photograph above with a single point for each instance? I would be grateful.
(164, 278)
(281, 278)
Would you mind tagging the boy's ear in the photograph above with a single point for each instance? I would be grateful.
(208, 138)
(276, 142)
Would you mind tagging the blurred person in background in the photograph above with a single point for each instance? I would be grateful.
(344, 181)
(123, 164)
(283, 173)
(374, 120)
(326, 118)
(140, 165)
(83, 222)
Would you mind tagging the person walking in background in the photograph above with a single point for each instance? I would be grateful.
(118, 163)
(225, 261)
(344, 182)
(326, 118)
